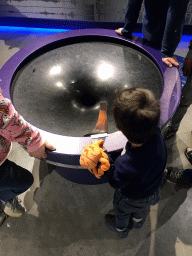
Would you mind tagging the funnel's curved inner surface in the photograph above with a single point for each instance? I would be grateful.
(59, 91)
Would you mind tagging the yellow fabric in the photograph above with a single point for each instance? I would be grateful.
(92, 155)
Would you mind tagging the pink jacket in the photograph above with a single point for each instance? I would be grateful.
(13, 128)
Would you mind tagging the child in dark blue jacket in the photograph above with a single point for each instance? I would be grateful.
(137, 175)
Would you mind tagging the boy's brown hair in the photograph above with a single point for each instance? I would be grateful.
(137, 113)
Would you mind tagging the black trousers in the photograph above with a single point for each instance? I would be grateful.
(163, 22)
(186, 101)
(14, 180)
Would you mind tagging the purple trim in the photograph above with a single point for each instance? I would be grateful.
(169, 100)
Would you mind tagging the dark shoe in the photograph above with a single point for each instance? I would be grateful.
(137, 224)
(188, 154)
(13, 208)
(168, 132)
(176, 177)
(3, 217)
(110, 223)
(124, 33)
(127, 35)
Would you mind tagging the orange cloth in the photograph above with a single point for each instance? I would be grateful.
(93, 157)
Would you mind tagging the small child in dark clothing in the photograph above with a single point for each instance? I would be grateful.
(137, 175)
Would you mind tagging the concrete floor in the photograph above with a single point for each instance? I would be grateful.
(66, 219)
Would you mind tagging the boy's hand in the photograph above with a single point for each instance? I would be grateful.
(40, 153)
(170, 61)
(187, 68)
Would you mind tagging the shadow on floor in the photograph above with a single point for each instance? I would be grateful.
(69, 217)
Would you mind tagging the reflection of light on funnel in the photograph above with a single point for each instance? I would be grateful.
(79, 108)
(55, 70)
(59, 84)
(74, 105)
(105, 71)
(97, 107)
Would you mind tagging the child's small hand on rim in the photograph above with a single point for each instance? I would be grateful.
(41, 153)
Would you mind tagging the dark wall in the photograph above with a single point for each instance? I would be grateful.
(84, 10)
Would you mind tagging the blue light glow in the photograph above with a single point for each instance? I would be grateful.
(29, 30)
(138, 34)
(186, 38)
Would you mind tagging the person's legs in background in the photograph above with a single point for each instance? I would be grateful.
(14, 180)
(154, 21)
(186, 101)
(174, 26)
(131, 17)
